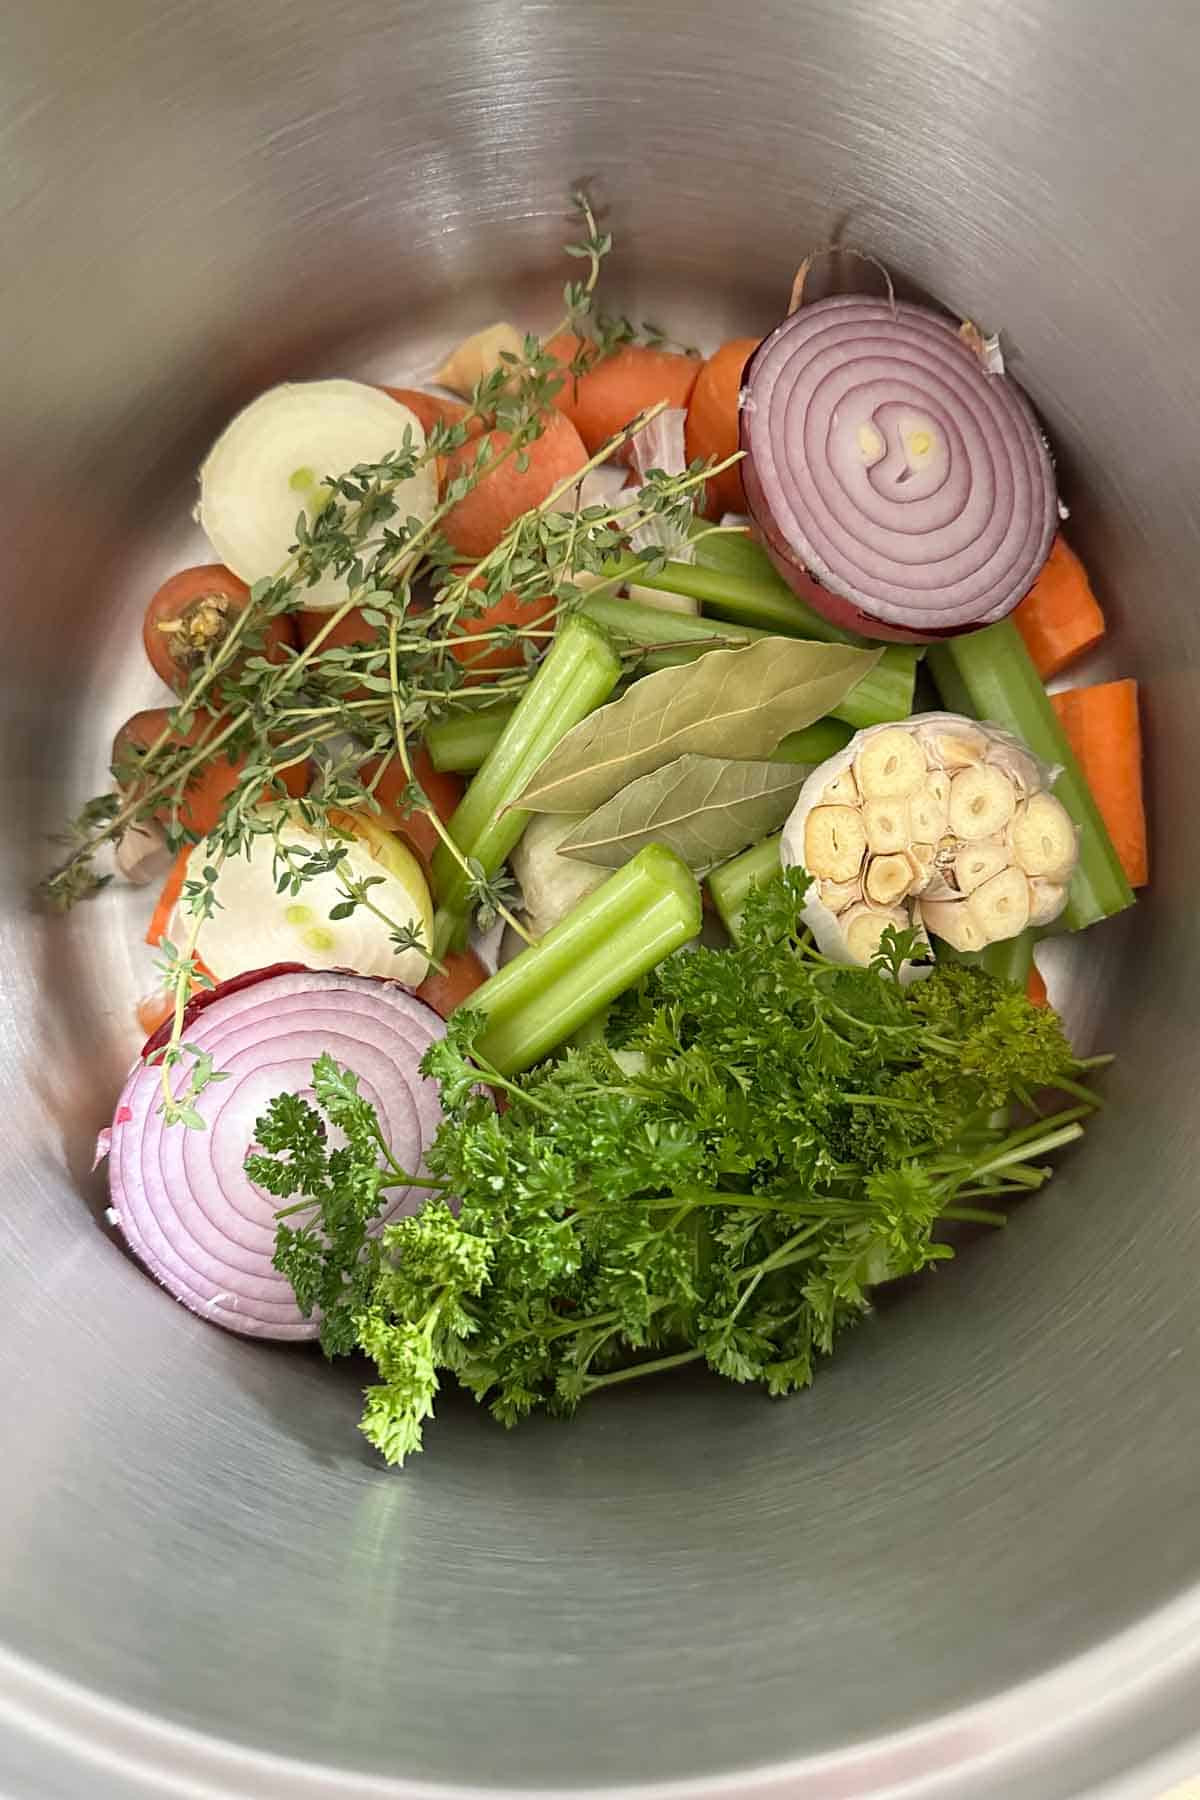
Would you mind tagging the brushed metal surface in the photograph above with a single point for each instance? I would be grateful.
(968, 1561)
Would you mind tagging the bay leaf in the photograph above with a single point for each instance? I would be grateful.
(731, 703)
(705, 808)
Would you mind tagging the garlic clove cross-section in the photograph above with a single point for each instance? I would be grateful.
(864, 926)
(887, 880)
(982, 801)
(835, 842)
(890, 765)
(977, 863)
(1043, 838)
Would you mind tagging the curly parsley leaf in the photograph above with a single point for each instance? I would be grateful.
(761, 1140)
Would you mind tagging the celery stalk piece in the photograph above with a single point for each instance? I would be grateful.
(579, 672)
(732, 596)
(604, 945)
(886, 693)
(749, 589)
(990, 675)
(638, 623)
(730, 884)
(732, 577)
(1009, 959)
(458, 745)
(815, 744)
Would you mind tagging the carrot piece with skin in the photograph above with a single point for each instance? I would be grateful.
(447, 988)
(1060, 617)
(351, 632)
(1103, 729)
(190, 616)
(476, 523)
(172, 887)
(712, 423)
(431, 409)
(441, 790)
(484, 659)
(1035, 988)
(153, 1011)
(212, 783)
(604, 399)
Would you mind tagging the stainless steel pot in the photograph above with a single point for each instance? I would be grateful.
(967, 1563)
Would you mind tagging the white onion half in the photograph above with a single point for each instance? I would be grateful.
(181, 1197)
(253, 925)
(268, 465)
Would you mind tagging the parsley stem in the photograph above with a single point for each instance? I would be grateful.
(403, 1177)
(1053, 1140)
(973, 1215)
(658, 1367)
(568, 1328)
(1093, 1101)
(493, 1078)
(1039, 1126)
(786, 1254)
(913, 1106)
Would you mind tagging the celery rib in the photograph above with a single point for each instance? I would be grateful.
(730, 884)
(578, 674)
(990, 675)
(605, 944)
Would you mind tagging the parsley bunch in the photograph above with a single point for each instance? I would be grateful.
(762, 1139)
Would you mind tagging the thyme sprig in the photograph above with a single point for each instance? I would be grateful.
(341, 708)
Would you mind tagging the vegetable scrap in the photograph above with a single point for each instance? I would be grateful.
(207, 1228)
(1059, 618)
(873, 432)
(582, 953)
(940, 824)
(713, 423)
(1103, 728)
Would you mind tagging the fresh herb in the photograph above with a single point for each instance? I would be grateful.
(343, 707)
(330, 1259)
(732, 703)
(704, 808)
(763, 1138)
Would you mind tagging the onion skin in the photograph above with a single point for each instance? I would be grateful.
(899, 488)
(181, 1197)
(204, 997)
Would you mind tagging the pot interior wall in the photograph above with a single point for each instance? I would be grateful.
(998, 1473)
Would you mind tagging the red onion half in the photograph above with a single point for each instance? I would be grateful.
(181, 1197)
(899, 487)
